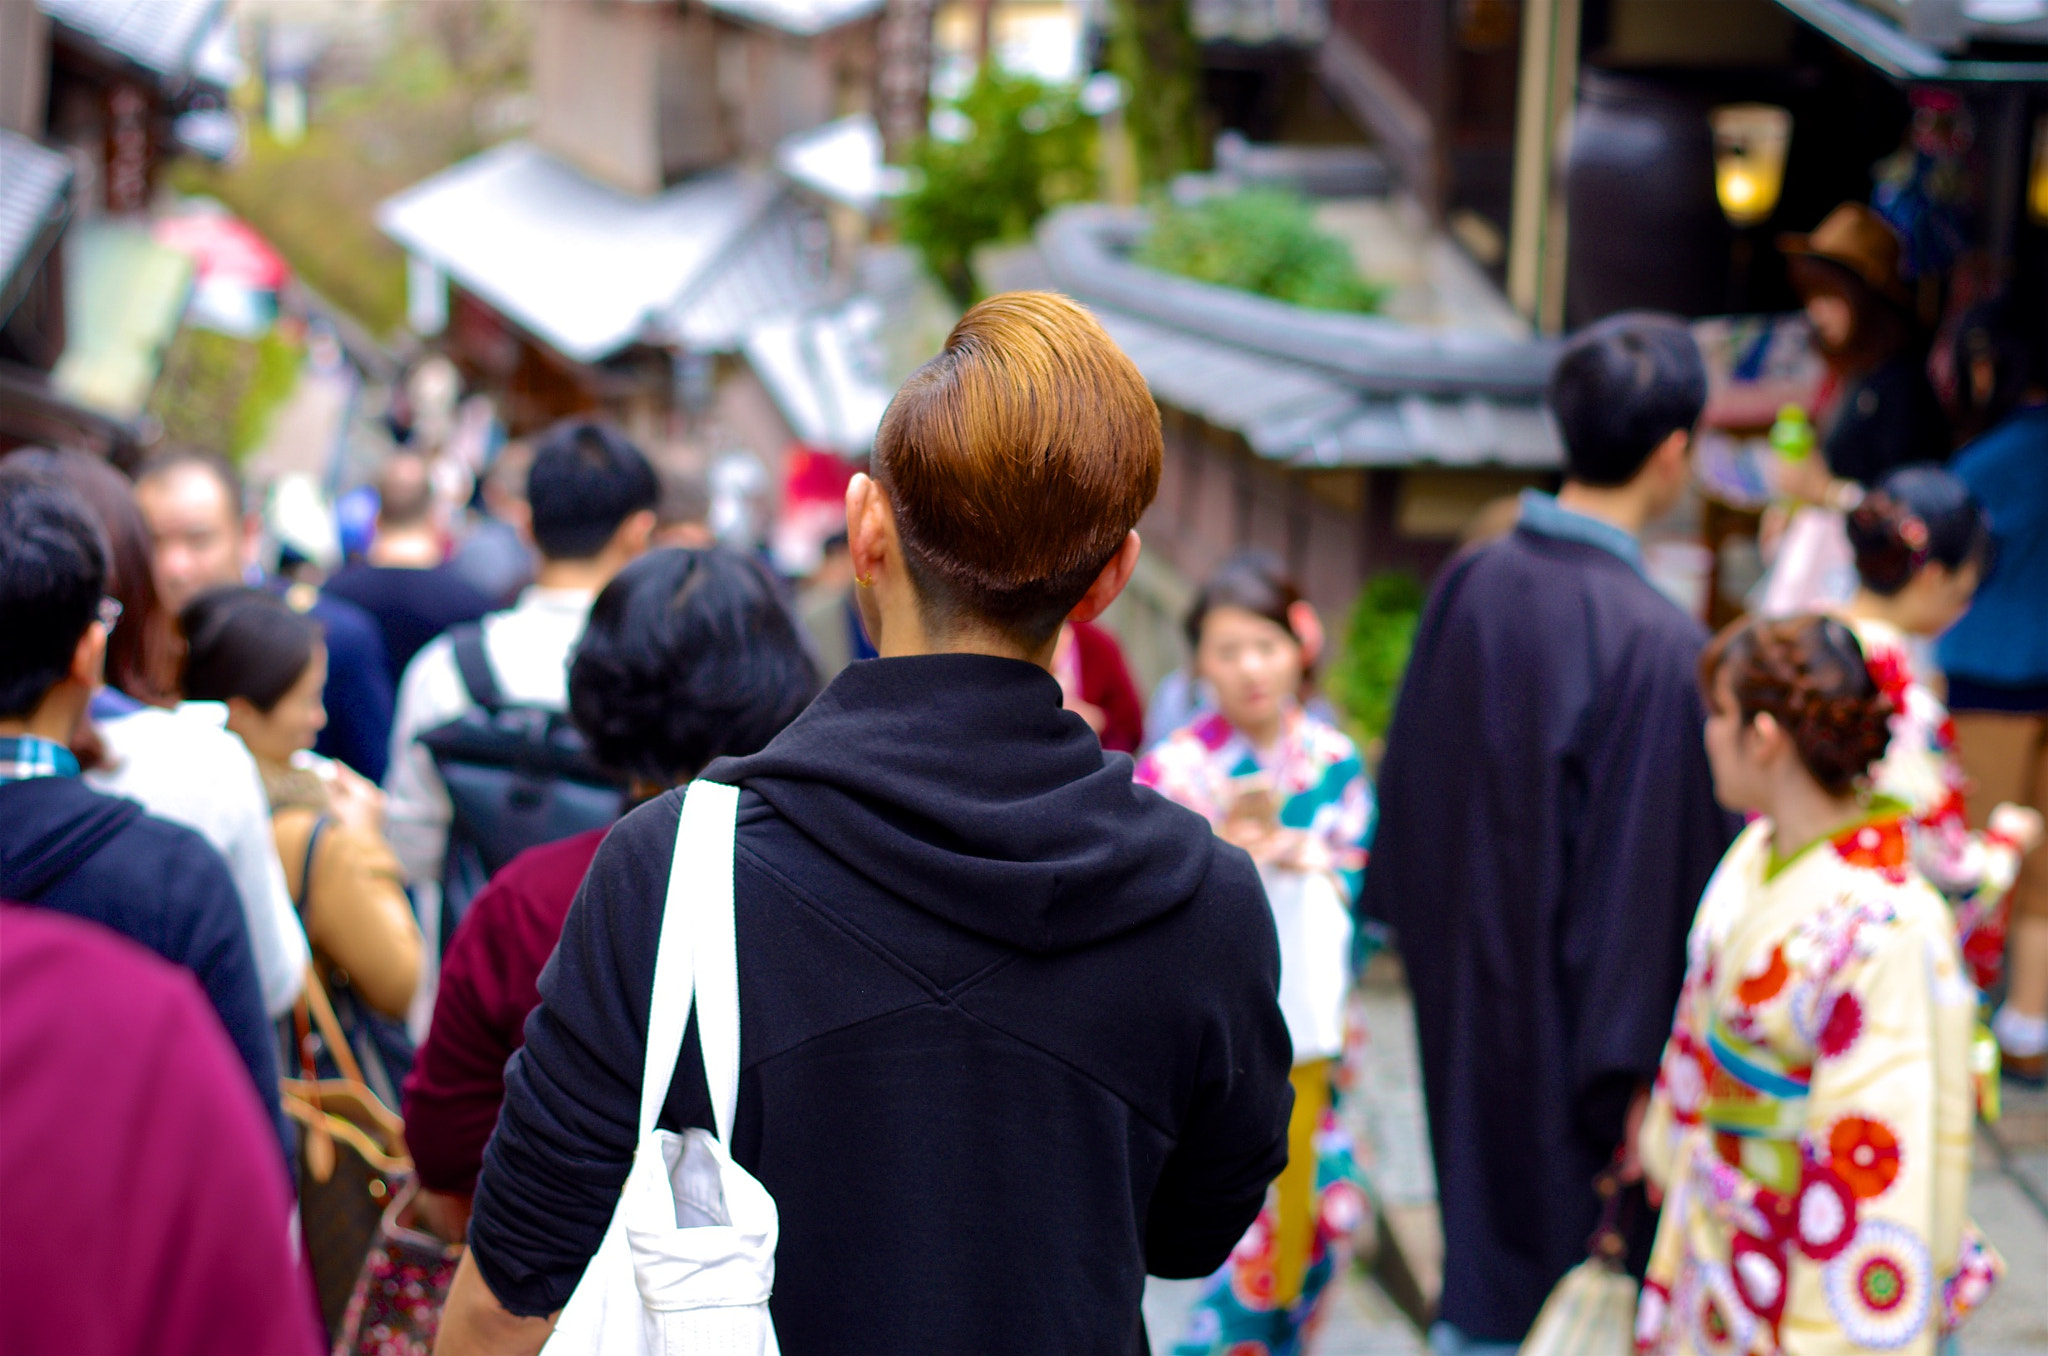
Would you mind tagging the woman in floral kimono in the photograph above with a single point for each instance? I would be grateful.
(1811, 1122)
(1922, 543)
(1289, 788)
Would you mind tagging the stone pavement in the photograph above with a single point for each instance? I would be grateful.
(2009, 1200)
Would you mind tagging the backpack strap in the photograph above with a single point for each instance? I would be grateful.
(306, 871)
(473, 662)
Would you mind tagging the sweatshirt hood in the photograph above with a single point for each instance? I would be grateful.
(959, 784)
(53, 824)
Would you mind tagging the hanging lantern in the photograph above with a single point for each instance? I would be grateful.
(1750, 142)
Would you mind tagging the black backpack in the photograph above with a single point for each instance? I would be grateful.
(517, 777)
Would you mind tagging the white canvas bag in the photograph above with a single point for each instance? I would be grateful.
(687, 1264)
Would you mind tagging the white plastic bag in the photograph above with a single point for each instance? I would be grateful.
(689, 1259)
(1315, 958)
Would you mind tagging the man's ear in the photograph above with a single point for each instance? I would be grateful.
(870, 527)
(634, 534)
(89, 659)
(1109, 583)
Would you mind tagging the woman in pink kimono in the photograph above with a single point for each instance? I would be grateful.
(1811, 1122)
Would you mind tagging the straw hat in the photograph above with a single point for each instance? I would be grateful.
(1858, 239)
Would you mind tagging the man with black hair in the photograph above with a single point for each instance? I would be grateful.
(591, 497)
(205, 539)
(66, 847)
(408, 583)
(1547, 823)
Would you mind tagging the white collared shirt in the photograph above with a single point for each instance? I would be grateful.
(529, 646)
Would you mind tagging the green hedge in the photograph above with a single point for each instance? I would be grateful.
(1260, 240)
(1365, 677)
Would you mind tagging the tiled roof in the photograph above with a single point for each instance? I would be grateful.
(778, 267)
(801, 17)
(157, 35)
(1256, 23)
(34, 187)
(583, 267)
(1306, 388)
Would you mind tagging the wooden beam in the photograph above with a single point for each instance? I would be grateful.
(1536, 235)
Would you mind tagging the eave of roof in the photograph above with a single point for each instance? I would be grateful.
(158, 37)
(1447, 400)
(1903, 57)
(803, 18)
(35, 201)
(1083, 245)
(583, 267)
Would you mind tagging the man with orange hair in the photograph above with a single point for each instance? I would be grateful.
(1012, 1035)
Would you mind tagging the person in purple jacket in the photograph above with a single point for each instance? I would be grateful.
(144, 1215)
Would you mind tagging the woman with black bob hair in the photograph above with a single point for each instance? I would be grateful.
(689, 656)
(1923, 544)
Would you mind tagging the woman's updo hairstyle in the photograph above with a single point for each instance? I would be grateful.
(1916, 517)
(244, 642)
(1250, 581)
(1811, 676)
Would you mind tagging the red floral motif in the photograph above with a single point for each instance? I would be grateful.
(1760, 1276)
(1879, 846)
(1891, 671)
(1760, 987)
(1653, 1315)
(1843, 1026)
(1864, 1153)
(1824, 1216)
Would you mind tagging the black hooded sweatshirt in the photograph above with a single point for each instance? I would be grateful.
(1009, 1029)
(69, 848)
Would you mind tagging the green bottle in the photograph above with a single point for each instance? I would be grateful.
(1792, 434)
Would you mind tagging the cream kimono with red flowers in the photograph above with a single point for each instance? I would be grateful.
(1811, 1122)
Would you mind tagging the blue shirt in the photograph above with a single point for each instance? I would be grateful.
(1542, 514)
(2003, 639)
(24, 757)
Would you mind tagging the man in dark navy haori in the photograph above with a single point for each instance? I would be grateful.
(1547, 822)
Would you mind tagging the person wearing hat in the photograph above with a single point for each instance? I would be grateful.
(1876, 410)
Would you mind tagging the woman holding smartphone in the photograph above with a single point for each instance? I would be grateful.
(1289, 788)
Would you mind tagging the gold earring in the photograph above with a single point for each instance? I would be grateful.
(866, 583)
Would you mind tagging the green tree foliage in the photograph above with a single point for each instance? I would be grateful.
(221, 392)
(1260, 240)
(1152, 48)
(1366, 676)
(1023, 147)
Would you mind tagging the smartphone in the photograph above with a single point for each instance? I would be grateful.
(1254, 798)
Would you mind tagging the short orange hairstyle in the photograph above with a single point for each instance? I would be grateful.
(1017, 461)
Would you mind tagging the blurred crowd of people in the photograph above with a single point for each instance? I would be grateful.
(406, 817)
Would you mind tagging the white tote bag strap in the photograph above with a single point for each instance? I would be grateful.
(696, 914)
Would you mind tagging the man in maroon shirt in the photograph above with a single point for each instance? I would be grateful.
(689, 656)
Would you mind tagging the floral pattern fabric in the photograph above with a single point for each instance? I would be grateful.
(1239, 1313)
(1973, 870)
(1811, 1122)
(1314, 768)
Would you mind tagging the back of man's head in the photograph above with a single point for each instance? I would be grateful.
(586, 480)
(53, 572)
(1620, 388)
(405, 493)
